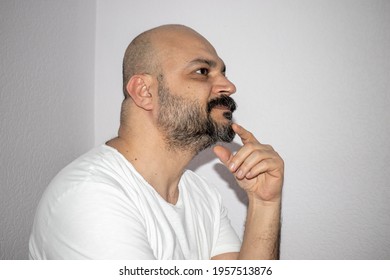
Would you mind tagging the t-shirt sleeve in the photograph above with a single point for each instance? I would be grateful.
(227, 240)
(94, 221)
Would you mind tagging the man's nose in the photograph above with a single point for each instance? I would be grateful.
(222, 85)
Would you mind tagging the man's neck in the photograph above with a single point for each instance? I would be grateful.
(161, 167)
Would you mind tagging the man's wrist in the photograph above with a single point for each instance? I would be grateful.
(257, 202)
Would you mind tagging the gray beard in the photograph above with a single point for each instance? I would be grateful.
(187, 126)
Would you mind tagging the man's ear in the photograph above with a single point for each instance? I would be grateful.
(138, 88)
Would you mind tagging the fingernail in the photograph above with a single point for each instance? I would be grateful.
(239, 173)
(231, 166)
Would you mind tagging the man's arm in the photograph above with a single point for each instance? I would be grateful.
(259, 170)
(262, 232)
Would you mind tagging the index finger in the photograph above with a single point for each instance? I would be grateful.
(245, 135)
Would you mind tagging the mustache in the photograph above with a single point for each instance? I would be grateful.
(222, 100)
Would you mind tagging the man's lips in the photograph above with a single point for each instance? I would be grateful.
(227, 113)
(223, 102)
(222, 107)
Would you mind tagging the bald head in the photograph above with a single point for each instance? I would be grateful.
(143, 55)
(139, 58)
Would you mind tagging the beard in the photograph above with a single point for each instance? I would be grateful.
(187, 125)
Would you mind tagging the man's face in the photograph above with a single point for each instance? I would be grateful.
(195, 109)
(187, 124)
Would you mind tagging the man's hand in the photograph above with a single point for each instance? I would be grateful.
(259, 170)
(257, 167)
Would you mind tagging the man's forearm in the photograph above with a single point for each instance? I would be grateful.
(259, 170)
(262, 231)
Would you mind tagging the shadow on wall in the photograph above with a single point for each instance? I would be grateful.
(207, 156)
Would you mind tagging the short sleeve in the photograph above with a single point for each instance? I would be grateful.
(227, 240)
(94, 221)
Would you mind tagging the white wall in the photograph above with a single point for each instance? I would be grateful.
(46, 104)
(313, 80)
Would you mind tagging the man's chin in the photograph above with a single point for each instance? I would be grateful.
(226, 133)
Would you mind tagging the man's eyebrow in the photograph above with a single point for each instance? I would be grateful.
(209, 62)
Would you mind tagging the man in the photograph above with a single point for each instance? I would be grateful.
(132, 197)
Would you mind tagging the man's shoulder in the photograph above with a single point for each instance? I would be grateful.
(99, 166)
(101, 160)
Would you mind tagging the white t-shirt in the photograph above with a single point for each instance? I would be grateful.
(100, 207)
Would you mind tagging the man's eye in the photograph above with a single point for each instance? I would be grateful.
(203, 71)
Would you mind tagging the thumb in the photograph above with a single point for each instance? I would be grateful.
(222, 153)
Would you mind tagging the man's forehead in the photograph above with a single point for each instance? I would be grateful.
(177, 44)
(190, 51)
(210, 62)
(191, 57)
